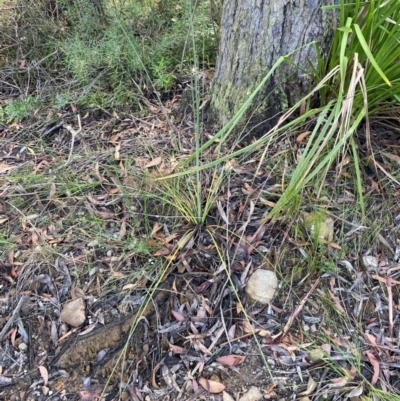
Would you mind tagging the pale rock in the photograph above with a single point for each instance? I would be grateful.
(227, 397)
(319, 224)
(262, 286)
(254, 394)
(73, 312)
(22, 347)
(370, 261)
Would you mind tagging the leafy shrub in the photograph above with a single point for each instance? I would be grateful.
(101, 48)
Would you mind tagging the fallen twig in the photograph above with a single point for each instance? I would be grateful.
(297, 311)
(13, 317)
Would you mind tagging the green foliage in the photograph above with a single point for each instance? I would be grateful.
(114, 51)
(19, 109)
(368, 34)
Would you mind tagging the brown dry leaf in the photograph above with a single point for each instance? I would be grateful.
(52, 190)
(248, 328)
(162, 252)
(387, 280)
(302, 136)
(231, 332)
(331, 244)
(13, 333)
(113, 191)
(99, 201)
(178, 316)
(337, 302)
(371, 339)
(271, 395)
(203, 348)
(375, 364)
(90, 395)
(54, 333)
(45, 374)
(156, 228)
(122, 229)
(337, 340)
(206, 306)
(104, 214)
(392, 157)
(311, 386)
(168, 239)
(356, 392)
(4, 167)
(116, 152)
(154, 162)
(176, 349)
(211, 386)
(167, 169)
(339, 382)
(116, 274)
(128, 287)
(88, 329)
(231, 360)
(201, 314)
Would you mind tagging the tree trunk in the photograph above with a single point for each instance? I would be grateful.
(254, 34)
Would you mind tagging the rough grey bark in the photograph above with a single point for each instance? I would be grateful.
(254, 34)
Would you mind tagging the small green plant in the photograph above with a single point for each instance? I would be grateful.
(101, 49)
(18, 109)
(162, 78)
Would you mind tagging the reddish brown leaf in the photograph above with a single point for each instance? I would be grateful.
(375, 364)
(90, 395)
(52, 190)
(370, 338)
(248, 328)
(300, 138)
(154, 162)
(337, 302)
(116, 152)
(178, 316)
(311, 386)
(113, 191)
(231, 332)
(45, 374)
(231, 360)
(176, 349)
(211, 386)
(203, 348)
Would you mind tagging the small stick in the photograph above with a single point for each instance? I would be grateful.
(13, 317)
(296, 312)
(73, 135)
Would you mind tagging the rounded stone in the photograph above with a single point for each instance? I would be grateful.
(254, 394)
(73, 312)
(262, 286)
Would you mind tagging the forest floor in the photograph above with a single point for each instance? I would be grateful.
(79, 226)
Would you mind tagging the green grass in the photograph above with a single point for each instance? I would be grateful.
(98, 62)
(358, 81)
(19, 109)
